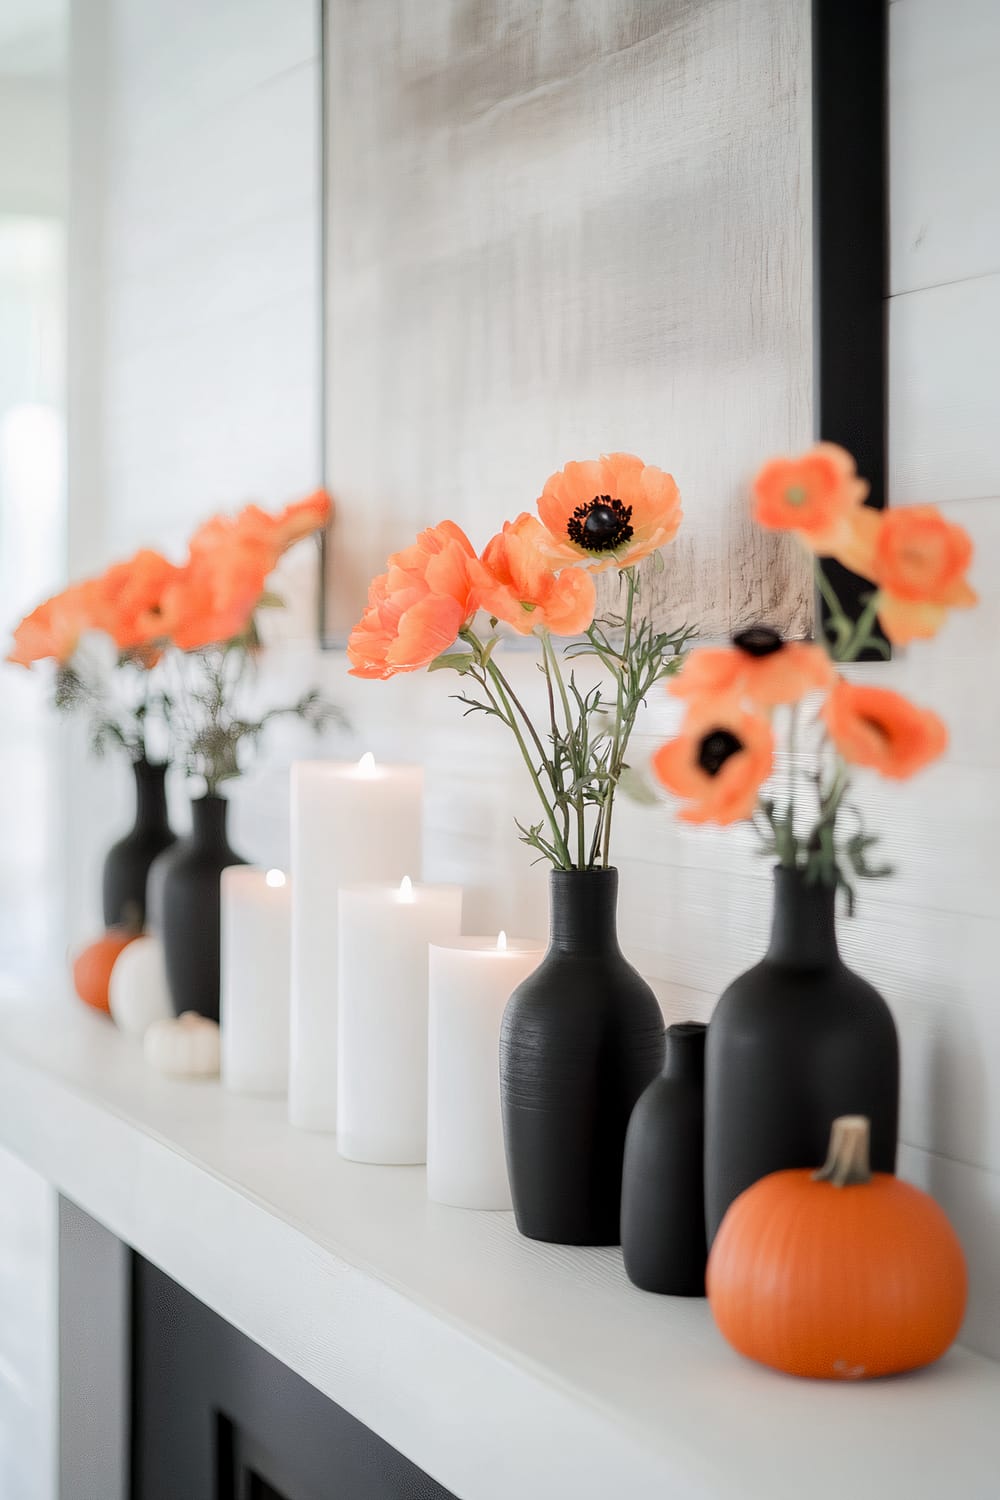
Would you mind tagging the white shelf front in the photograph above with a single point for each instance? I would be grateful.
(500, 1366)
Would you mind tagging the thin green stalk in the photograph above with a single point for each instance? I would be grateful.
(497, 679)
(552, 660)
(618, 747)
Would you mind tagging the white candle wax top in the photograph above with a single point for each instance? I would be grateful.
(490, 947)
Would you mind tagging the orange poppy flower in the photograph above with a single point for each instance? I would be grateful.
(132, 598)
(516, 582)
(919, 563)
(212, 599)
(875, 727)
(417, 608)
(281, 531)
(718, 763)
(609, 510)
(813, 495)
(759, 666)
(55, 627)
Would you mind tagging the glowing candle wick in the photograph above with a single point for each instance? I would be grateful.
(501, 942)
(366, 765)
(406, 889)
(275, 879)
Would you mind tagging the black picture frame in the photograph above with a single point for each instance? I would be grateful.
(850, 258)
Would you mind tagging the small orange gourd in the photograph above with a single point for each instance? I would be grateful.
(93, 964)
(840, 1274)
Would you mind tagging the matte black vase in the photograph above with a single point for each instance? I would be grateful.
(127, 865)
(794, 1043)
(185, 902)
(581, 1038)
(663, 1185)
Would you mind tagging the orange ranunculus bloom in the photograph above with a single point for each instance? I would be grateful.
(718, 763)
(814, 495)
(516, 582)
(281, 531)
(417, 608)
(214, 596)
(55, 627)
(873, 726)
(609, 510)
(132, 599)
(919, 563)
(759, 667)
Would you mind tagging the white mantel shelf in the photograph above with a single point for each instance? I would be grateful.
(501, 1367)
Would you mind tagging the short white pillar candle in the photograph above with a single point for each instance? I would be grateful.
(385, 931)
(255, 975)
(471, 981)
(351, 822)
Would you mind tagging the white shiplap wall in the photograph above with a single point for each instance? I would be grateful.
(203, 381)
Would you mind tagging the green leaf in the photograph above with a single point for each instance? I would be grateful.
(455, 661)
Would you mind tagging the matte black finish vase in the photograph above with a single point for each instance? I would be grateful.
(793, 1043)
(127, 865)
(185, 901)
(581, 1038)
(663, 1185)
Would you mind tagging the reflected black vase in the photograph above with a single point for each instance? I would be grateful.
(663, 1186)
(795, 1042)
(185, 903)
(127, 865)
(581, 1038)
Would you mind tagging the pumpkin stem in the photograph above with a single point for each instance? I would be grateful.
(847, 1162)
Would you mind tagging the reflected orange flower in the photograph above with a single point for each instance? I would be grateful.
(814, 495)
(876, 727)
(213, 598)
(417, 608)
(609, 511)
(920, 561)
(55, 627)
(516, 582)
(718, 764)
(759, 667)
(131, 596)
(291, 525)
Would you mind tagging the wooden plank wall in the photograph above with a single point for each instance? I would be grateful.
(208, 375)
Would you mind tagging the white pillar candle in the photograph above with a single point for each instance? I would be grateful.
(350, 823)
(471, 981)
(255, 975)
(382, 1016)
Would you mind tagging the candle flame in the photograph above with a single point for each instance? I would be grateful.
(366, 765)
(275, 879)
(406, 889)
(501, 941)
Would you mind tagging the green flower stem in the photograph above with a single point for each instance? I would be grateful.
(620, 738)
(552, 667)
(502, 688)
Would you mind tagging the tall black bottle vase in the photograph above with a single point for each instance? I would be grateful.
(127, 863)
(185, 902)
(794, 1043)
(663, 1187)
(581, 1038)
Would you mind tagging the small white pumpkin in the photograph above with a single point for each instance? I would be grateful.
(138, 993)
(186, 1046)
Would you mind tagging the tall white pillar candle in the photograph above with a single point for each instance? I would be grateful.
(471, 981)
(350, 823)
(382, 1016)
(255, 975)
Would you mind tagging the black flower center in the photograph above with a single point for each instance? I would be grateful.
(759, 640)
(716, 748)
(601, 525)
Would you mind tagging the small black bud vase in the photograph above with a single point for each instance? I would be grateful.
(581, 1038)
(663, 1184)
(127, 865)
(793, 1044)
(185, 904)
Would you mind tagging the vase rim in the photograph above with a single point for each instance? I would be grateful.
(596, 870)
(687, 1030)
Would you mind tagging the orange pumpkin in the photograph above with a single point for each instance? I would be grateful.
(92, 967)
(840, 1274)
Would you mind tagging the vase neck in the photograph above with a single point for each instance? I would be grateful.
(150, 794)
(208, 820)
(685, 1051)
(584, 912)
(804, 928)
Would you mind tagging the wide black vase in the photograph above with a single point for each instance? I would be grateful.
(185, 903)
(663, 1186)
(127, 864)
(793, 1044)
(581, 1038)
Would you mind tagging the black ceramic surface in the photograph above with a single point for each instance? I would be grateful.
(796, 1041)
(127, 865)
(663, 1187)
(581, 1039)
(185, 902)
